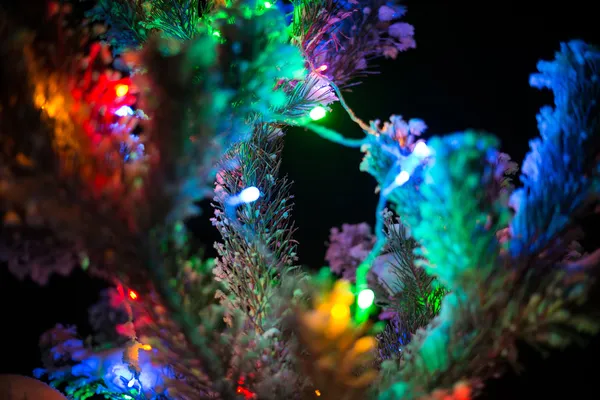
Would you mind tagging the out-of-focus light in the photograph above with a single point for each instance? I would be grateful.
(365, 298)
(340, 311)
(317, 113)
(123, 111)
(268, 4)
(402, 178)
(322, 68)
(121, 90)
(249, 194)
(421, 150)
(133, 295)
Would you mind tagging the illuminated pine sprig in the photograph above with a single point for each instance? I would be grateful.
(345, 36)
(409, 295)
(125, 20)
(131, 22)
(499, 297)
(560, 173)
(306, 94)
(258, 248)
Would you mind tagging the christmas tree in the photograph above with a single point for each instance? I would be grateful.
(124, 114)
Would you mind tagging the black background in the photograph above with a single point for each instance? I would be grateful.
(470, 70)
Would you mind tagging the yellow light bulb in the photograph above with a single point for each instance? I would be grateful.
(121, 90)
(340, 311)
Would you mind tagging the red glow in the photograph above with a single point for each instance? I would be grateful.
(132, 295)
(243, 391)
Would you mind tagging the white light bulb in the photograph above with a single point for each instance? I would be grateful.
(123, 111)
(421, 150)
(317, 113)
(365, 298)
(249, 194)
(402, 178)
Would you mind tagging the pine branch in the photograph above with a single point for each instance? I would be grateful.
(344, 36)
(258, 248)
(405, 291)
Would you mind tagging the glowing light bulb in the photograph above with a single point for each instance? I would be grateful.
(402, 178)
(340, 311)
(421, 150)
(268, 4)
(121, 90)
(317, 113)
(131, 383)
(322, 68)
(249, 194)
(365, 298)
(123, 111)
(216, 33)
(318, 392)
(133, 295)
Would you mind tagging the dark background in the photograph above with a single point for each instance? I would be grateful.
(470, 70)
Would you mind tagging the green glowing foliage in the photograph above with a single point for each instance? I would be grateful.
(459, 225)
(409, 296)
(132, 23)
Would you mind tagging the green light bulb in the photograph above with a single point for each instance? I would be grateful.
(268, 4)
(317, 113)
(365, 298)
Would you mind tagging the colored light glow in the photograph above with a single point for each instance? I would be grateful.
(268, 4)
(146, 347)
(123, 111)
(322, 68)
(121, 90)
(133, 295)
(340, 311)
(243, 391)
(317, 113)
(365, 298)
(421, 150)
(216, 33)
(131, 383)
(402, 178)
(249, 194)
(318, 392)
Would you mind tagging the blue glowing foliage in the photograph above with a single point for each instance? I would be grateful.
(557, 172)
(83, 372)
(392, 340)
(387, 155)
(106, 363)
